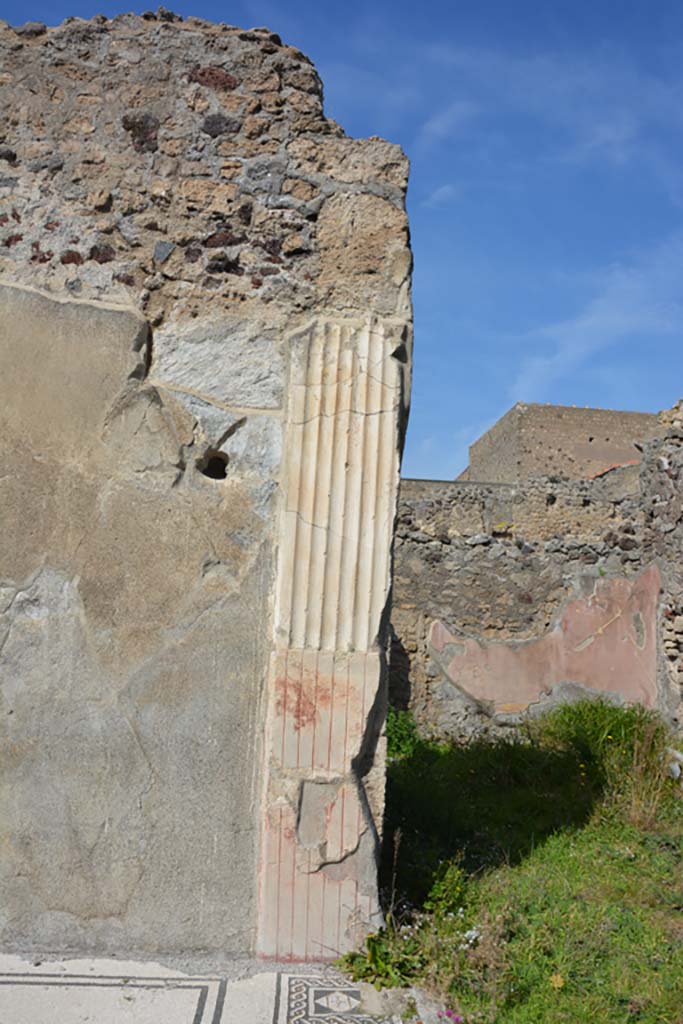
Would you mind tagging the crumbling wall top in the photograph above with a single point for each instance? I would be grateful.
(169, 164)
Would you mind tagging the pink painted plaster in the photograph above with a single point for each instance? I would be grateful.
(606, 641)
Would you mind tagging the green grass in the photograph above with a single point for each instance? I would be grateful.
(538, 881)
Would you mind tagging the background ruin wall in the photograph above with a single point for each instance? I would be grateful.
(569, 442)
(510, 597)
(204, 362)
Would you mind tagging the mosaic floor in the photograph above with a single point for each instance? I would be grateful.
(111, 992)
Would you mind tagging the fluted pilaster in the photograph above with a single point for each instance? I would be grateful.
(318, 893)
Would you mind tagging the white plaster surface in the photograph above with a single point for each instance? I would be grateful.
(231, 361)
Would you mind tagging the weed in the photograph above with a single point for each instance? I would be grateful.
(624, 749)
(402, 735)
(538, 881)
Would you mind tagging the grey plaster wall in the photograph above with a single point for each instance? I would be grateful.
(133, 639)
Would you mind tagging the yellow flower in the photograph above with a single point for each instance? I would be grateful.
(557, 981)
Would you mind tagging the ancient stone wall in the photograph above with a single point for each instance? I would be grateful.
(662, 503)
(540, 508)
(198, 273)
(510, 597)
(558, 440)
(495, 455)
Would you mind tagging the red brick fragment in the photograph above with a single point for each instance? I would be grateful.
(103, 253)
(71, 256)
(213, 77)
(224, 236)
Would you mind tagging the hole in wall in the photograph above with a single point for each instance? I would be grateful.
(590, 440)
(214, 465)
(550, 499)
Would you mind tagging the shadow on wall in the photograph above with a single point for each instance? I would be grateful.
(399, 672)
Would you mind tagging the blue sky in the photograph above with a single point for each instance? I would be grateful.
(546, 195)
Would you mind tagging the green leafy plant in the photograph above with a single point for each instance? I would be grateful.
(402, 735)
(622, 748)
(449, 891)
(536, 881)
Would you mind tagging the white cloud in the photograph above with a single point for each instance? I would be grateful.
(448, 121)
(640, 299)
(613, 137)
(600, 102)
(442, 196)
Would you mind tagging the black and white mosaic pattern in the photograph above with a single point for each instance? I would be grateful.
(47, 995)
(317, 1001)
(42, 998)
